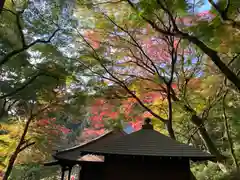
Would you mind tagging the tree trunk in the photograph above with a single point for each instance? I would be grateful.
(229, 137)
(198, 122)
(230, 75)
(230, 142)
(2, 108)
(17, 150)
(2, 2)
(10, 165)
(170, 130)
(213, 55)
(170, 115)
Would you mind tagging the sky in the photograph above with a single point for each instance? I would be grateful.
(128, 129)
(206, 6)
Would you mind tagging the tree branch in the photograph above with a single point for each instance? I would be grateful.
(22, 87)
(105, 2)
(223, 14)
(24, 48)
(26, 84)
(171, 18)
(3, 108)
(2, 2)
(26, 146)
(12, 104)
(20, 29)
(169, 86)
(208, 51)
(227, 6)
(230, 142)
(138, 46)
(119, 82)
(21, 141)
(216, 7)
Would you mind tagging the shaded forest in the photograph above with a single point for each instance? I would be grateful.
(72, 70)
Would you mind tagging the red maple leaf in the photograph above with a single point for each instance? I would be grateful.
(93, 38)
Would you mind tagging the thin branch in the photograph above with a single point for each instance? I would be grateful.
(2, 2)
(17, 51)
(139, 47)
(119, 82)
(102, 3)
(26, 84)
(171, 18)
(26, 146)
(115, 95)
(137, 77)
(20, 29)
(227, 6)
(10, 11)
(230, 142)
(122, 38)
(223, 14)
(212, 102)
(196, 129)
(170, 115)
(215, 6)
(162, 23)
(144, 66)
(208, 51)
(21, 141)
(3, 108)
(12, 104)
(233, 59)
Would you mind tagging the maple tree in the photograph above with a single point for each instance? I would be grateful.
(132, 52)
(34, 82)
(138, 61)
(112, 63)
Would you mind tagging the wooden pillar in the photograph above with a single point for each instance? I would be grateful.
(62, 172)
(79, 173)
(1, 5)
(69, 173)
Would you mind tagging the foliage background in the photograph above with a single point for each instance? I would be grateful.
(71, 70)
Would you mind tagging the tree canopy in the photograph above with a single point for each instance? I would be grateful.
(70, 70)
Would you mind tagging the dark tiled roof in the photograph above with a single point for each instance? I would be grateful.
(74, 153)
(147, 142)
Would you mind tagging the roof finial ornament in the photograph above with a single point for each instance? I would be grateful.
(148, 120)
(147, 124)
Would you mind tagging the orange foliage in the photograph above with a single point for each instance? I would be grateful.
(93, 38)
(51, 127)
(191, 20)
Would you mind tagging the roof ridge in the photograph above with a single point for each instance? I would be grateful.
(154, 143)
(83, 144)
(89, 142)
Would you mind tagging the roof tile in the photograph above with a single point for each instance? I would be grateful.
(147, 142)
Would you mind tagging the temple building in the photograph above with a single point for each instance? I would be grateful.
(141, 155)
